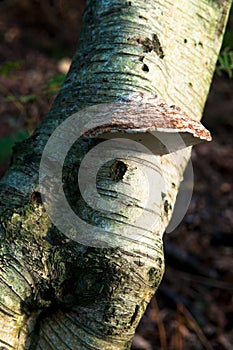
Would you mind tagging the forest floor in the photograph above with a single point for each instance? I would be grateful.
(193, 308)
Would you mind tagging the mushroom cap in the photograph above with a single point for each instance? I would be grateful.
(149, 120)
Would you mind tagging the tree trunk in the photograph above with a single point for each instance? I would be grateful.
(57, 292)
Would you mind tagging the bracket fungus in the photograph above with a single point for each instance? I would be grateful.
(148, 119)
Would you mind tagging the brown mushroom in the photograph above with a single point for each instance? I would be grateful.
(149, 120)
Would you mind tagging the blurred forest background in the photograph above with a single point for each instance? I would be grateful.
(193, 308)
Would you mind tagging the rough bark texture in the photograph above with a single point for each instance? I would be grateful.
(54, 292)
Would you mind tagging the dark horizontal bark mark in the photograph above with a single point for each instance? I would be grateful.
(134, 316)
(7, 344)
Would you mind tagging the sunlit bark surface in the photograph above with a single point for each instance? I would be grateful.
(54, 292)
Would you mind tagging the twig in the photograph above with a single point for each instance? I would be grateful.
(205, 280)
(161, 328)
(16, 102)
(194, 325)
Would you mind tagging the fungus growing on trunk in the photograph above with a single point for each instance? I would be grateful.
(149, 120)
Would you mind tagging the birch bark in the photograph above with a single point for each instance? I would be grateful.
(54, 292)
